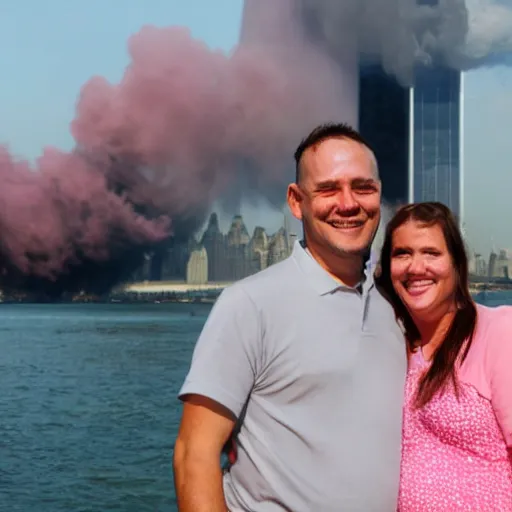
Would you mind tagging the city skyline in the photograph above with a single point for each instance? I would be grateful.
(38, 99)
(217, 255)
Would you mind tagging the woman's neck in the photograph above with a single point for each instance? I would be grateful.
(433, 332)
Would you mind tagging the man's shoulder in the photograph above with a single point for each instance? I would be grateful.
(382, 307)
(267, 283)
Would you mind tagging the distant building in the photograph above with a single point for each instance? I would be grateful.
(436, 138)
(237, 250)
(492, 269)
(481, 267)
(237, 234)
(174, 259)
(214, 241)
(258, 249)
(417, 134)
(384, 123)
(278, 247)
(143, 272)
(237, 255)
(416, 131)
(197, 267)
(218, 257)
(501, 265)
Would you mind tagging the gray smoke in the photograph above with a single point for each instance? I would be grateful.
(489, 36)
(401, 33)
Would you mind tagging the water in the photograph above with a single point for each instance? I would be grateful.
(493, 299)
(88, 408)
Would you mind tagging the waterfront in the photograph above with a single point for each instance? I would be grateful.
(88, 403)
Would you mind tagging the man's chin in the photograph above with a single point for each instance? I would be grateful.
(350, 246)
(355, 250)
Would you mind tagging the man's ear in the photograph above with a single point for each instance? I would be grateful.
(294, 198)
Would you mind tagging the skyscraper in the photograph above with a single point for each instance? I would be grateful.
(436, 138)
(416, 132)
(197, 267)
(384, 123)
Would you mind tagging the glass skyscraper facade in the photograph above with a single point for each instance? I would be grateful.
(435, 136)
(416, 133)
(384, 123)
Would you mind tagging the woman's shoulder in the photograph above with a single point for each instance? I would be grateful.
(492, 342)
(494, 328)
(497, 361)
(494, 318)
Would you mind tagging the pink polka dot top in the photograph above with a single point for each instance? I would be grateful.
(457, 452)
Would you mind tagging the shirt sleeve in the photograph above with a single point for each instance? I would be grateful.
(226, 359)
(500, 370)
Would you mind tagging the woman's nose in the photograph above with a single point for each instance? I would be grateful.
(416, 265)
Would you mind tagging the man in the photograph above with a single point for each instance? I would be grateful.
(304, 360)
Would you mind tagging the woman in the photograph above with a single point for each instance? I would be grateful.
(457, 432)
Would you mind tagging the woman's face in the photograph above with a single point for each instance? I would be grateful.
(422, 271)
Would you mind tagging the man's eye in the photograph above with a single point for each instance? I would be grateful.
(365, 189)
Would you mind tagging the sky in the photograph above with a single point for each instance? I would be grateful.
(488, 159)
(50, 49)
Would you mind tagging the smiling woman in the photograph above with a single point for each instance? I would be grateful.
(457, 430)
(422, 272)
(425, 272)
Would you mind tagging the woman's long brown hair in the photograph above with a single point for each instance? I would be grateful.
(457, 341)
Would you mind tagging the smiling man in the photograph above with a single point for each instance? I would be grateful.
(337, 197)
(302, 365)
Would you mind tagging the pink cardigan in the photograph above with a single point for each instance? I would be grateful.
(488, 366)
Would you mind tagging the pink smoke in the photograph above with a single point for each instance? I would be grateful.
(190, 114)
(172, 134)
(63, 207)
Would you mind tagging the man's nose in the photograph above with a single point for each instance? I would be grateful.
(347, 200)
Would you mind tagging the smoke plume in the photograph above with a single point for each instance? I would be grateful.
(152, 153)
(187, 125)
(402, 33)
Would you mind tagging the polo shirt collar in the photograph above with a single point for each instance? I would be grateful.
(319, 278)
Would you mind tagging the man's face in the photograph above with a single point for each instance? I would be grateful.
(337, 197)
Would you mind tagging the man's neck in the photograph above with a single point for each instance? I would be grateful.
(348, 271)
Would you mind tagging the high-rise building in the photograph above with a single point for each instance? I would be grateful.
(417, 131)
(197, 267)
(384, 123)
(417, 134)
(215, 243)
(436, 138)
(258, 248)
(237, 241)
(278, 247)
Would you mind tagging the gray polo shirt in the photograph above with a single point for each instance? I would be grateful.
(323, 368)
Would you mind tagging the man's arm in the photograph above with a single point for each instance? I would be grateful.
(205, 427)
(225, 366)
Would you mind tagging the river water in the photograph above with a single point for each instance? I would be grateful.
(88, 408)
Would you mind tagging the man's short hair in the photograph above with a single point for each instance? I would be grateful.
(328, 131)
